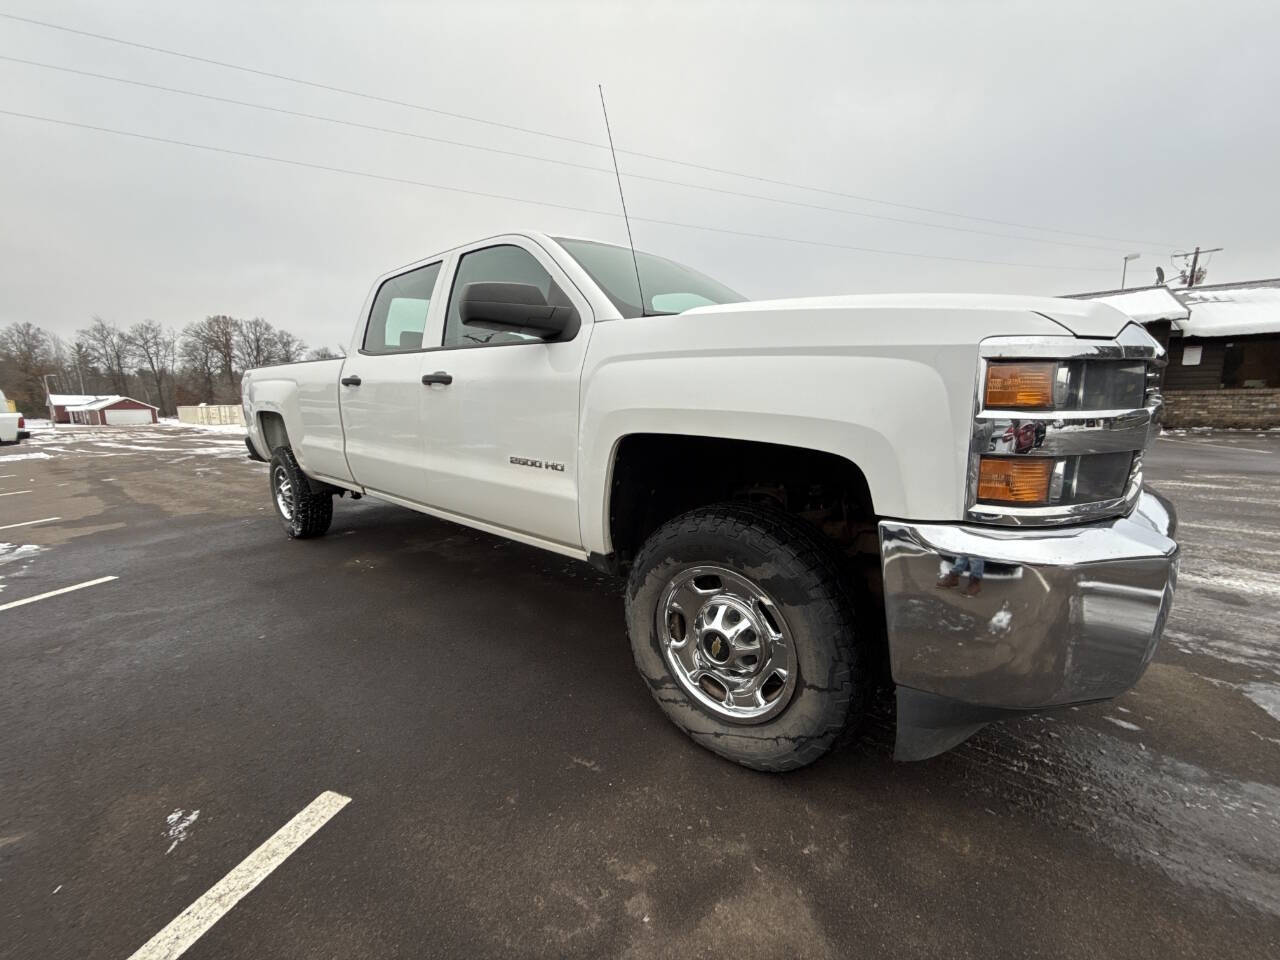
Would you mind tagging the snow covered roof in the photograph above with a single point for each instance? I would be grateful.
(99, 403)
(1220, 310)
(1232, 309)
(73, 399)
(1143, 304)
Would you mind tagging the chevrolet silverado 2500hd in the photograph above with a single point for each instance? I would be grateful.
(802, 493)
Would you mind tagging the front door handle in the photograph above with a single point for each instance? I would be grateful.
(351, 381)
(438, 377)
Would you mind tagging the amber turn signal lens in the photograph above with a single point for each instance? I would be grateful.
(1003, 480)
(1020, 385)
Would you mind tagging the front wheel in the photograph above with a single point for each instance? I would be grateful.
(303, 512)
(741, 625)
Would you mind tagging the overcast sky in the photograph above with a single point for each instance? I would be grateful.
(1153, 123)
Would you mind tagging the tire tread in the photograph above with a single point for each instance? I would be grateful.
(312, 511)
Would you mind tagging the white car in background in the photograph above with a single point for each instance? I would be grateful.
(12, 425)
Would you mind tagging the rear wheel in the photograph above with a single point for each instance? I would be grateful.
(304, 512)
(742, 627)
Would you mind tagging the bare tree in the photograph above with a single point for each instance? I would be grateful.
(152, 348)
(109, 347)
(288, 347)
(322, 353)
(199, 359)
(24, 359)
(220, 333)
(255, 343)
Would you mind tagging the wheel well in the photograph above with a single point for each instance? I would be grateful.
(273, 430)
(659, 476)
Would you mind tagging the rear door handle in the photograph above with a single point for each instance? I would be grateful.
(438, 377)
(351, 381)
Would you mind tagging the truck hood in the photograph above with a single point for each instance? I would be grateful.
(1083, 318)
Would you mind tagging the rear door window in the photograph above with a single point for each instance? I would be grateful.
(399, 315)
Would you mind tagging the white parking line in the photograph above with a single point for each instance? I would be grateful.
(192, 923)
(14, 493)
(54, 593)
(27, 523)
(8, 476)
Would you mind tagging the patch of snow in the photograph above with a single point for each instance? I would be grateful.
(234, 428)
(179, 823)
(1265, 695)
(38, 455)
(1266, 585)
(1124, 724)
(9, 552)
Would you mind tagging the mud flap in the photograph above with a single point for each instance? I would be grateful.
(929, 724)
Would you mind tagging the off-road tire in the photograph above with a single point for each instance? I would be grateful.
(804, 575)
(312, 503)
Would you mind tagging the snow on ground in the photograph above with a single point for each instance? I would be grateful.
(9, 552)
(233, 428)
(22, 553)
(172, 437)
(1265, 695)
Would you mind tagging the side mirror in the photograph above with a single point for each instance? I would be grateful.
(518, 307)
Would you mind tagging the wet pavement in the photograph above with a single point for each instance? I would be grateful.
(514, 791)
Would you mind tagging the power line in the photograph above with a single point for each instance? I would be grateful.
(542, 203)
(299, 113)
(306, 83)
(566, 139)
(1155, 244)
(529, 156)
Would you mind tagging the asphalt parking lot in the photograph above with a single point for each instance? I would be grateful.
(513, 790)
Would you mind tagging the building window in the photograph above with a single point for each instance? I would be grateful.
(1191, 355)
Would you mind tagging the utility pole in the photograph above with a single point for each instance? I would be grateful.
(1195, 263)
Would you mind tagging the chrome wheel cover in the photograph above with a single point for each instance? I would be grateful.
(283, 488)
(727, 644)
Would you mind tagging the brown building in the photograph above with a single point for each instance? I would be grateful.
(1224, 349)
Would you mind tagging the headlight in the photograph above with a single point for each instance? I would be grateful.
(1064, 385)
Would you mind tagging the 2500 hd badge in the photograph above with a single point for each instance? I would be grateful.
(538, 464)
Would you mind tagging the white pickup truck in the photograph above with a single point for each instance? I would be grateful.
(13, 426)
(805, 495)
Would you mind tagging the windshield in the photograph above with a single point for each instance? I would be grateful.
(668, 286)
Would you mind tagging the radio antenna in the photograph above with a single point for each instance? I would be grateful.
(625, 219)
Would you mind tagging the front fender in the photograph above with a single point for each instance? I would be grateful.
(897, 418)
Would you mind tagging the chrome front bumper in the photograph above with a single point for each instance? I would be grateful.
(1063, 615)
